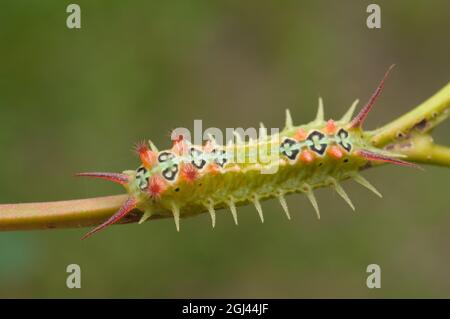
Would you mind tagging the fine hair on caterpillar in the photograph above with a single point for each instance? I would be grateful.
(194, 177)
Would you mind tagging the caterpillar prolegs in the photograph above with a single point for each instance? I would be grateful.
(207, 177)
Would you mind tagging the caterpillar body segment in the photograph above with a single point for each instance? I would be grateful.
(188, 179)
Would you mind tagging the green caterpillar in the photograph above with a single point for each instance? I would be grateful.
(191, 178)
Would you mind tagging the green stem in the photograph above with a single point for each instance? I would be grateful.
(422, 119)
(61, 214)
(420, 148)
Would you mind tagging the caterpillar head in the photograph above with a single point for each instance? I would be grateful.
(124, 179)
(142, 184)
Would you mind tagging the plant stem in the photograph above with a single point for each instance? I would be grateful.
(422, 119)
(61, 214)
(408, 135)
(420, 148)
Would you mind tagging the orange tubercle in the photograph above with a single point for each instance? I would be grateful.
(235, 168)
(157, 186)
(180, 146)
(148, 157)
(208, 146)
(335, 152)
(300, 135)
(189, 173)
(213, 168)
(330, 128)
(307, 156)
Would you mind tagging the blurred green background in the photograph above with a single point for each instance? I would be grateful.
(77, 100)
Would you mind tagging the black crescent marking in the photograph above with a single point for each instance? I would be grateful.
(170, 173)
(165, 156)
(320, 147)
(142, 180)
(222, 160)
(196, 161)
(343, 134)
(291, 154)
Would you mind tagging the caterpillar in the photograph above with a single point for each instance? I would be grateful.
(207, 177)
